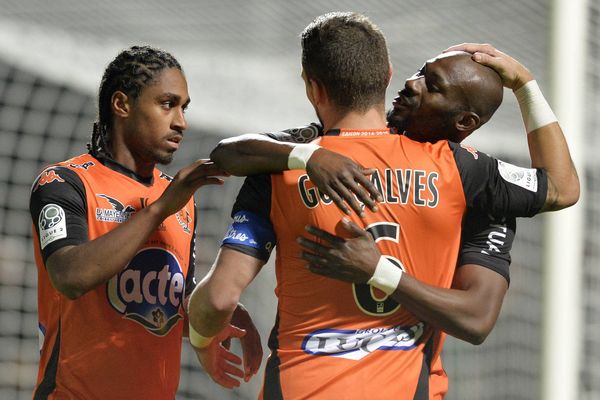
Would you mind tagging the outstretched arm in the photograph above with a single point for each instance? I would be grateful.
(213, 304)
(335, 175)
(548, 147)
(467, 311)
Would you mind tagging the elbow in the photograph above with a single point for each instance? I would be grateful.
(477, 332)
(571, 197)
(70, 290)
(224, 155)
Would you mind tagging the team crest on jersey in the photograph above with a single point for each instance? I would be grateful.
(470, 150)
(150, 290)
(185, 220)
(359, 343)
(47, 177)
(119, 212)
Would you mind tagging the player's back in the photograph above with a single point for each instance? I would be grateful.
(341, 340)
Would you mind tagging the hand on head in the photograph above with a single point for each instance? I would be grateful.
(513, 74)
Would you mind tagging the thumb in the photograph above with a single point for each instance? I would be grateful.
(234, 331)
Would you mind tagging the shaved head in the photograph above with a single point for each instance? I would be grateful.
(449, 98)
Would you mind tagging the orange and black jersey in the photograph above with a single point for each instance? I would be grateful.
(122, 339)
(334, 339)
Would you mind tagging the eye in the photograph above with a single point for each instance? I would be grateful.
(431, 87)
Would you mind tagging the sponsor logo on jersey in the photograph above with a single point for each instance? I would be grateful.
(470, 150)
(119, 213)
(185, 220)
(497, 236)
(524, 177)
(46, 177)
(52, 224)
(85, 165)
(233, 234)
(150, 290)
(359, 343)
(251, 230)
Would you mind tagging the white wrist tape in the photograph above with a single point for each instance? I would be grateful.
(535, 110)
(386, 277)
(300, 154)
(197, 340)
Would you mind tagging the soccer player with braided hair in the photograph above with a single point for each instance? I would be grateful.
(114, 244)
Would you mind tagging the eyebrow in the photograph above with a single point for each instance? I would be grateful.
(175, 97)
(434, 76)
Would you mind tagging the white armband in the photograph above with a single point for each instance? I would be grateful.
(197, 340)
(300, 155)
(535, 110)
(386, 277)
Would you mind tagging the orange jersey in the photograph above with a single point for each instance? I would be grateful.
(337, 340)
(122, 339)
(327, 328)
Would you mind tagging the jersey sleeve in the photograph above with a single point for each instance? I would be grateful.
(58, 210)
(487, 241)
(302, 134)
(251, 231)
(190, 279)
(499, 188)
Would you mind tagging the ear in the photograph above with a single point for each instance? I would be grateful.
(120, 104)
(390, 73)
(467, 121)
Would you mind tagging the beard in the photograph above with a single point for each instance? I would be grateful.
(395, 121)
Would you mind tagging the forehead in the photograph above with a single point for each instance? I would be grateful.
(169, 80)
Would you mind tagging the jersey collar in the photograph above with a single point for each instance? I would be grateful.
(357, 132)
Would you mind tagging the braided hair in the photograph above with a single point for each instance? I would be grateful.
(130, 72)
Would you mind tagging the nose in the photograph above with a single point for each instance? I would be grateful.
(179, 122)
(413, 84)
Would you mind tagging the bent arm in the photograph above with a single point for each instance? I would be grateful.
(467, 311)
(76, 269)
(548, 147)
(337, 176)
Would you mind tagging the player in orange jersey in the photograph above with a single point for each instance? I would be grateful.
(114, 243)
(319, 338)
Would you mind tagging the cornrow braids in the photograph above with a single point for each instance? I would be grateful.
(130, 72)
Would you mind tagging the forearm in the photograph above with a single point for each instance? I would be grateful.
(467, 311)
(450, 310)
(251, 154)
(75, 270)
(206, 317)
(214, 300)
(548, 150)
(548, 147)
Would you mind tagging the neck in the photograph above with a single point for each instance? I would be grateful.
(374, 118)
(123, 155)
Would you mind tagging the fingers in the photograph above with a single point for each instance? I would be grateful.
(474, 48)
(353, 228)
(341, 188)
(337, 200)
(365, 182)
(321, 234)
